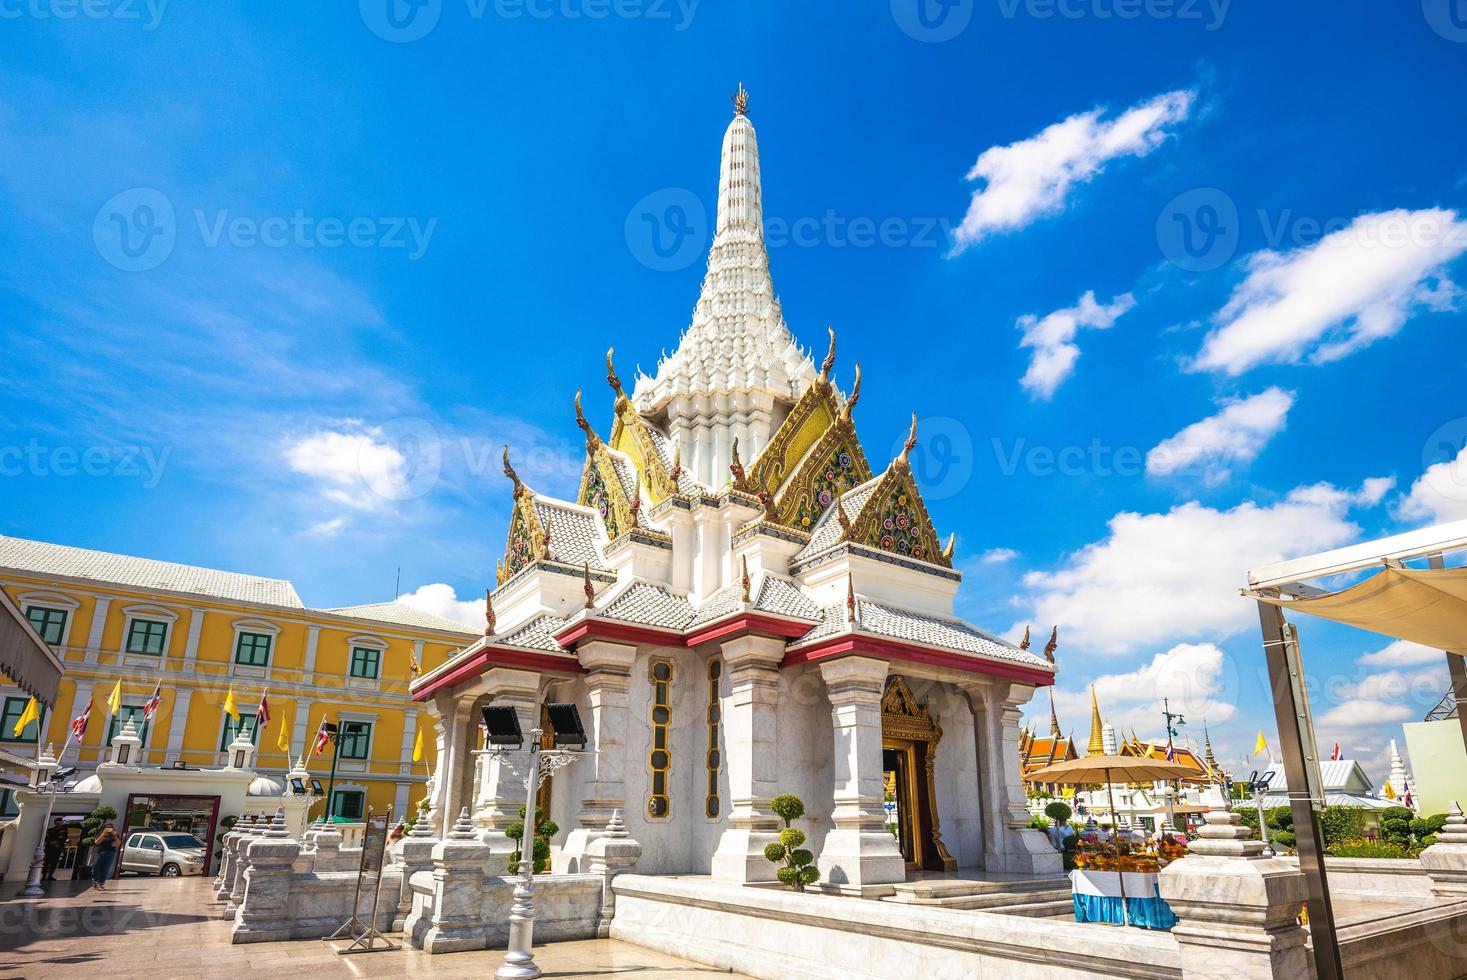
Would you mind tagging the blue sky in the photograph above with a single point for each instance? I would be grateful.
(277, 287)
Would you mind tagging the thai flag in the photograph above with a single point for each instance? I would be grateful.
(1336, 755)
(150, 706)
(1171, 753)
(79, 723)
(1406, 801)
(323, 737)
(262, 713)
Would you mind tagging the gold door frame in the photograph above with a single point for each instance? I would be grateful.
(904, 723)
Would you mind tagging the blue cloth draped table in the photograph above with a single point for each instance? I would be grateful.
(1097, 896)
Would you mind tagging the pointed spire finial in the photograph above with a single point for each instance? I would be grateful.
(635, 504)
(911, 442)
(744, 561)
(952, 545)
(677, 464)
(829, 361)
(1024, 643)
(741, 101)
(544, 544)
(1052, 645)
(611, 377)
(855, 396)
(1097, 738)
(1054, 729)
(591, 438)
(840, 515)
(851, 615)
(489, 622)
(586, 586)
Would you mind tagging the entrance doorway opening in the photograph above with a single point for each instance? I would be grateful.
(909, 738)
(197, 815)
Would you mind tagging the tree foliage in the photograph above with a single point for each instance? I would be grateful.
(797, 864)
(544, 830)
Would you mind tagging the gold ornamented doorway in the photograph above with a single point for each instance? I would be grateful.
(909, 737)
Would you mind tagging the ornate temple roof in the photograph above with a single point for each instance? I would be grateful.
(536, 634)
(913, 627)
(648, 605)
(737, 340)
(771, 594)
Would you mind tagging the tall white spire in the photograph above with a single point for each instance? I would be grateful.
(737, 369)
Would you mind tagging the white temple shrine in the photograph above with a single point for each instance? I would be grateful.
(741, 605)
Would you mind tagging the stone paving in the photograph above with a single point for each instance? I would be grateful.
(160, 928)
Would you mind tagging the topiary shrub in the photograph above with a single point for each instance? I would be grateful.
(1342, 823)
(1058, 812)
(798, 868)
(93, 823)
(544, 830)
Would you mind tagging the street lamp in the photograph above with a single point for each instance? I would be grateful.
(1258, 786)
(48, 779)
(502, 729)
(330, 730)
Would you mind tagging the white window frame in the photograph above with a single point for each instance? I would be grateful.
(55, 601)
(237, 669)
(371, 643)
(152, 614)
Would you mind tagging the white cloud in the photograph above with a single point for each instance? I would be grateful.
(997, 556)
(1402, 653)
(1439, 494)
(1031, 178)
(327, 528)
(1359, 713)
(1159, 578)
(1053, 336)
(354, 466)
(441, 600)
(1323, 301)
(1196, 678)
(1232, 437)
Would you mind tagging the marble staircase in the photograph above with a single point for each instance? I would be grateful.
(1033, 897)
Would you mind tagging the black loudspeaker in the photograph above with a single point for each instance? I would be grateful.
(503, 725)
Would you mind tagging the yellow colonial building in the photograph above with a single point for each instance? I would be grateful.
(205, 633)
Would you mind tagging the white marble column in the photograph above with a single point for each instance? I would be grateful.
(94, 636)
(191, 646)
(860, 853)
(501, 789)
(1007, 845)
(608, 676)
(451, 714)
(313, 638)
(750, 753)
(177, 724)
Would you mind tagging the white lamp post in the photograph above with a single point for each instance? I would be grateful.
(45, 768)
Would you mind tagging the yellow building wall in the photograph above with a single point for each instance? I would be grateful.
(297, 697)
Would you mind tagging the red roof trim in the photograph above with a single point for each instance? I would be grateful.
(490, 657)
(742, 623)
(607, 629)
(849, 645)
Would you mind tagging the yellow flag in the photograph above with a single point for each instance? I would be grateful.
(31, 713)
(1390, 794)
(114, 700)
(282, 742)
(418, 746)
(1261, 746)
(229, 708)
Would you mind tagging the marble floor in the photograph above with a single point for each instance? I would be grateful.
(163, 928)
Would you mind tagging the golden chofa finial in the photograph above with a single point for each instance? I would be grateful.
(855, 396)
(591, 439)
(1052, 645)
(829, 361)
(611, 377)
(489, 619)
(741, 101)
(911, 442)
(509, 472)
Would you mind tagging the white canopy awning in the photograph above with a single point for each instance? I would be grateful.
(1423, 605)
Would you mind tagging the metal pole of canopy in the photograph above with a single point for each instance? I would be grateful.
(1291, 715)
(1456, 668)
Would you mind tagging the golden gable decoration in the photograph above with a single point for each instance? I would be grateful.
(528, 541)
(833, 466)
(813, 414)
(631, 436)
(894, 517)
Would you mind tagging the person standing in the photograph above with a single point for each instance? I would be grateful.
(106, 845)
(56, 840)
